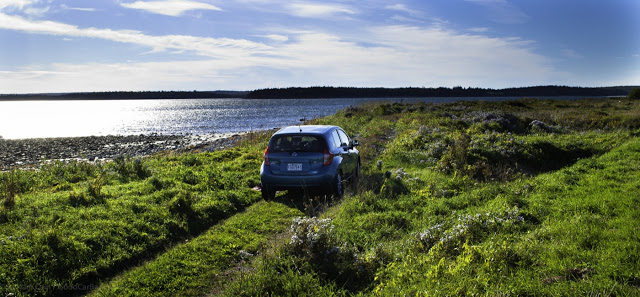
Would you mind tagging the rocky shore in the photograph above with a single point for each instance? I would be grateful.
(34, 152)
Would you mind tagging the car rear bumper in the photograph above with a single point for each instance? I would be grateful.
(323, 180)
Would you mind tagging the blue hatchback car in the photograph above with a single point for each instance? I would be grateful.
(310, 157)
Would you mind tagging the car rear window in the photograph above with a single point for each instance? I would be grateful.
(297, 143)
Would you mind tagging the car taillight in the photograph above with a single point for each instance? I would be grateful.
(266, 156)
(328, 157)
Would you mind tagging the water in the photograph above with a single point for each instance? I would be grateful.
(40, 119)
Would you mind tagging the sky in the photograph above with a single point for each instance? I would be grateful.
(51, 46)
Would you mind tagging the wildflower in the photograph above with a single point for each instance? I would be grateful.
(245, 255)
(295, 239)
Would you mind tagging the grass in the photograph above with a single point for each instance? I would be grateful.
(477, 202)
(526, 197)
(192, 268)
(79, 223)
(562, 233)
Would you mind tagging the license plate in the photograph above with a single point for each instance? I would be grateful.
(294, 167)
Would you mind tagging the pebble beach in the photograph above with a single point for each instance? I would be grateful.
(25, 153)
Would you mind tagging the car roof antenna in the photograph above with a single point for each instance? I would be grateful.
(302, 120)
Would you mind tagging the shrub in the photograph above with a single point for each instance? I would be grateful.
(4, 216)
(494, 121)
(139, 169)
(312, 237)
(191, 160)
(314, 243)
(393, 187)
(90, 194)
(469, 229)
(11, 189)
(129, 169)
(189, 177)
(276, 277)
(182, 205)
(157, 183)
(94, 188)
(634, 94)
(455, 159)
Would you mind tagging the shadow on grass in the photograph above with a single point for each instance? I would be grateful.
(313, 202)
(310, 203)
(197, 225)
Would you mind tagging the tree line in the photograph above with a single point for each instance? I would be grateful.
(336, 92)
(116, 95)
(350, 92)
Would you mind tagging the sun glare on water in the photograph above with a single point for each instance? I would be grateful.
(39, 119)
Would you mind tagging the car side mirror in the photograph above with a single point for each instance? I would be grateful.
(353, 144)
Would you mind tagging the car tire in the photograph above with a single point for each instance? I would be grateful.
(268, 194)
(338, 186)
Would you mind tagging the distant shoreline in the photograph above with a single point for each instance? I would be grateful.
(124, 95)
(346, 92)
(333, 92)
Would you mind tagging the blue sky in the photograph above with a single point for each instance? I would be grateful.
(109, 45)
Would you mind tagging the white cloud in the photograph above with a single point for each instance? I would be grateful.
(169, 7)
(402, 56)
(211, 47)
(20, 4)
(390, 56)
(403, 19)
(127, 76)
(37, 11)
(403, 8)
(64, 6)
(415, 56)
(316, 10)
(28, 7)
(276, 37)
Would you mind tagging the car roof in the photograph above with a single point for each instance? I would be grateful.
(308, 129)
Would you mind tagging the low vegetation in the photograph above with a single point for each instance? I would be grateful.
(78, 223)
(634, 94)
(526, 197)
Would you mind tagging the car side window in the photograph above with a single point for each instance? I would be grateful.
(345, 139)
(336, 138)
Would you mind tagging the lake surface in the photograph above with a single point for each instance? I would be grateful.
(72, 118)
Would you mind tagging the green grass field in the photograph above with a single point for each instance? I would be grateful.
(517, 198)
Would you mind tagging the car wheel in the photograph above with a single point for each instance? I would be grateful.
(268, 194)
(338, 186)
